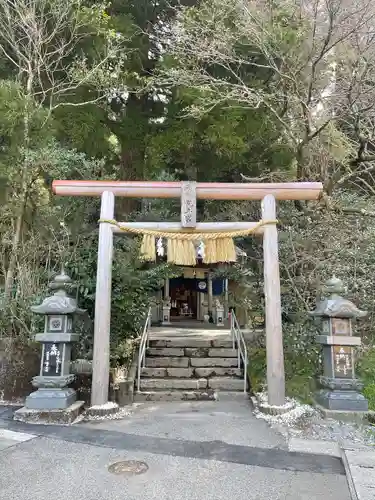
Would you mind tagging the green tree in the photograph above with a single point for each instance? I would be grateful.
(305, 67)
(42, 42)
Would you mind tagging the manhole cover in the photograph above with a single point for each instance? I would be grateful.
(129, 467)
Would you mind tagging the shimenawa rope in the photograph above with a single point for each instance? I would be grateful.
(219, 245)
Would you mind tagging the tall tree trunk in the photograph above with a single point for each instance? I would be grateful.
(13, 255)
(132, 136)
(10, 275)
(129, 172)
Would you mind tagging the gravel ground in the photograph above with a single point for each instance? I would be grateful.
(314, 427)
(331, 430)
(305, 422)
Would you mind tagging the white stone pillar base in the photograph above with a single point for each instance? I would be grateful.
(166, 320)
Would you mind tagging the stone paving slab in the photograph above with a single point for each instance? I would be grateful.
(229, 419)
(330, 448)
(360, 470)
(358, 461)
(6, 443)
(10, 438)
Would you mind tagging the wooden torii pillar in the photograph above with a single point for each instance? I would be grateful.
(189, 192)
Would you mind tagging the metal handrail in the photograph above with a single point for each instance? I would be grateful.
(238, 338)
(143, 344)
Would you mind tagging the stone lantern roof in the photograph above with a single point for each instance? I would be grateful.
(60, 302)
(335, 306)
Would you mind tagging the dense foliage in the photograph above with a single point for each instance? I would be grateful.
(215, 90)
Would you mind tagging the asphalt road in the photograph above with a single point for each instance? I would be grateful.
(200, 450)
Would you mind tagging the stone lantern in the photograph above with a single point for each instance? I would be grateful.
(53, 393)
(166, 311)
(219, 308)
(340, 389)
(155, 310)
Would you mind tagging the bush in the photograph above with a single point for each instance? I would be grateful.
(366, 372)
(302, 358)
(257, 368)
(369, 393)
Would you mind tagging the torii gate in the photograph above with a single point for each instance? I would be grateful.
(189, 192)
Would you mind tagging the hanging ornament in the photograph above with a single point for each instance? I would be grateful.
(160, 247)
(200, 250)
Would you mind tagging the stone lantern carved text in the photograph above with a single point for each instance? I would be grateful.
(52, 359)
(343, 366)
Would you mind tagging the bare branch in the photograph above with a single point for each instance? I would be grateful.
(42, 39)
(311, 68)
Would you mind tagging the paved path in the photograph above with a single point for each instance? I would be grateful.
(11, 438)
(201, 450)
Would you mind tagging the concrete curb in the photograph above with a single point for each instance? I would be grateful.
(349, 477)
(359, 463)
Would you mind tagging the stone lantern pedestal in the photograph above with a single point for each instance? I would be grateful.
(54, 400)
(339, 387)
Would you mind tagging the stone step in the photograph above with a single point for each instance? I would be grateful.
(203, 395)
(186, 341)
(168, 372)
(222, 353)
(168, 384)
(196, 352)
(191, 372)
(185, 362)
(181, 342)
(192, 352)
(210, 352)
(165, 351)
(228, 344)
(167, 362)
(213, 362)
(226, 384)
(215, 371)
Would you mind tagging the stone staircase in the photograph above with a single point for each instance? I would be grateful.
(195, 366)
